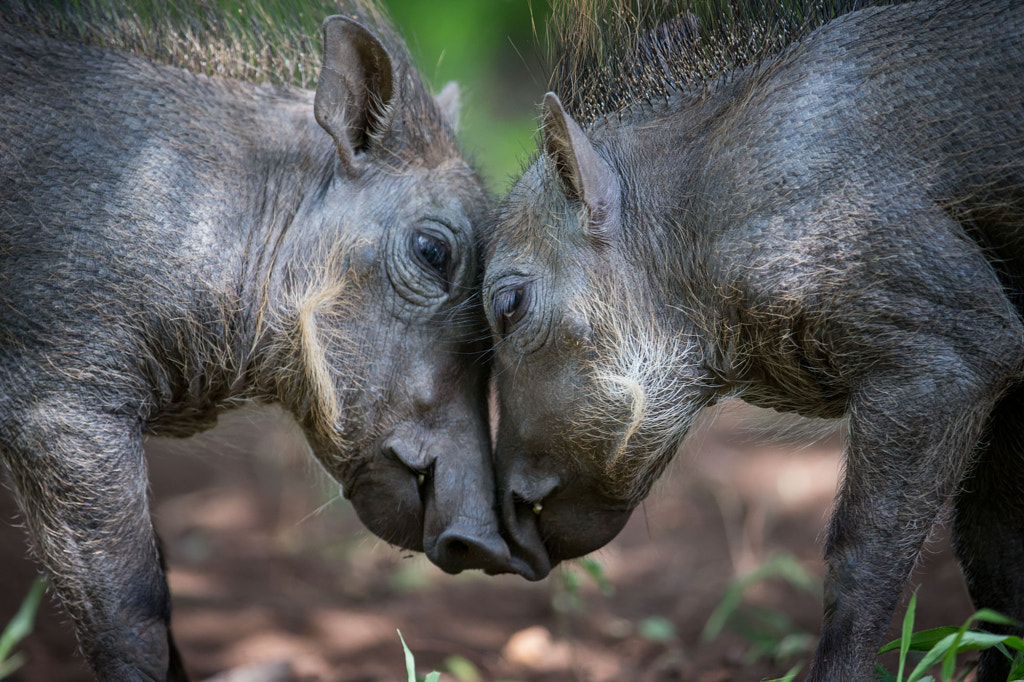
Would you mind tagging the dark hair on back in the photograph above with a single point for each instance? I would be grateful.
(259, 41)
(251, 40)
(607, 55)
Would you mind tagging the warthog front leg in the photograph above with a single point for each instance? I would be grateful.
(909, 447)
(80, 479)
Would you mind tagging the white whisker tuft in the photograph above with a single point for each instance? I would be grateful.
(648, 392)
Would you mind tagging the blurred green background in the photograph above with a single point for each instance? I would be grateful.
(491, 49)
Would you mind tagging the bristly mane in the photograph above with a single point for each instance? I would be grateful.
(258, 41)
(606, 55)
(253, 40)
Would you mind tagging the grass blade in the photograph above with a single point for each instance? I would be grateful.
(975, 640)
(930, 658)
(990, 616)
(908, 628)
(21, 625)
(923, 640)
(8, 666)
(410, 662)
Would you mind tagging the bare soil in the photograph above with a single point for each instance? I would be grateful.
(266, 564)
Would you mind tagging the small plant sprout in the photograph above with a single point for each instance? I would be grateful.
(941, 646)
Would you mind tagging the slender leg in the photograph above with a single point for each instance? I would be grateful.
(909, 447)
(988, 530)
(926, 344)
(80, 478)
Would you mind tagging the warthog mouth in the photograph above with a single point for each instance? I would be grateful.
(542, 533)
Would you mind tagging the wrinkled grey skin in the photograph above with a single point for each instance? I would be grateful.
(836, 232)
(173, 245)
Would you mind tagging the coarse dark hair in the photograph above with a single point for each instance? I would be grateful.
(260, 41)
(606, 55)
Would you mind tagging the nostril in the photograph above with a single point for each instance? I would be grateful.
(457, 551)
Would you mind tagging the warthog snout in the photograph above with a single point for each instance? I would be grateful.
(445, 487)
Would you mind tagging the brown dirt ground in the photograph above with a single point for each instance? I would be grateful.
(262, 570)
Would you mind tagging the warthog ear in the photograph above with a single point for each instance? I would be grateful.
(584, 175)
(449, 104)
(355, 89)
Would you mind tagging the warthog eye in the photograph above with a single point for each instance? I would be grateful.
(434, 254)
(508, 306)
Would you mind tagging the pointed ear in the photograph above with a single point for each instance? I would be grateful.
(584, 175)
(355, 89)
(449, 104)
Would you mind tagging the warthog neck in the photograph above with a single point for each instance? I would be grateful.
(257, 248)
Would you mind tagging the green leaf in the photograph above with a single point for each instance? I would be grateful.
(921, 641)
(410, 665)
(571, 580)
(20, 626)
(946, 643)
(930, 658)
(990, 616)
(410, 662)
(908, 627)
(8, 666)
(794, 644)
(731, 599)
(949, 660)
(787, 567)
(1017, 668)
(974, 640)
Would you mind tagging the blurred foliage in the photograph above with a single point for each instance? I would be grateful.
(657, 629)
(491, 49)
(462, 669)
(941, 646)
(567, 595)
(769, 632)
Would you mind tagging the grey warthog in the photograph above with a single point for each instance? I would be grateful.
(835, 228)
(173, 245)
